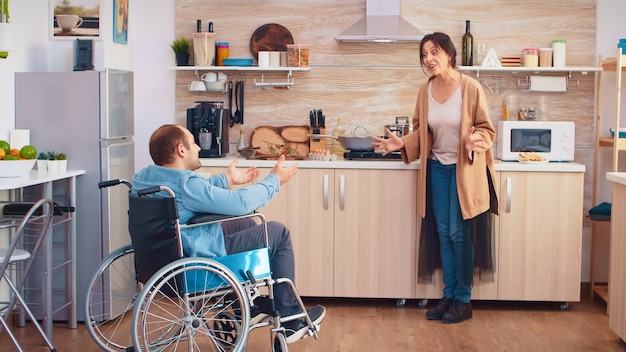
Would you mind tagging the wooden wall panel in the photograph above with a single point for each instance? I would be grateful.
(369, 84)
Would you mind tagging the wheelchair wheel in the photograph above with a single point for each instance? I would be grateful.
(280, 342)
(109, 301)
(192, 304)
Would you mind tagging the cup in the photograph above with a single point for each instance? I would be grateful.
(205, 139)
(197, 86)
(209, 77)
(544, 108)
(68, 22)
(481, 51)
(264, 59)
(274, 58)
(511, 106)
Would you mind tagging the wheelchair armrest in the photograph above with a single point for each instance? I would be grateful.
(201, 218)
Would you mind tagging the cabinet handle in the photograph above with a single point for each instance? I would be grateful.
(325, 192)
(508, 194)
(342, 192)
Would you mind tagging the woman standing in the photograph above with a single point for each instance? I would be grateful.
(452, 137)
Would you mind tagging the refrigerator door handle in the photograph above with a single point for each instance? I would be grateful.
(117, 141)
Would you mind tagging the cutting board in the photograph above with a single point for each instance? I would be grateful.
(263, 137)
(270, 37)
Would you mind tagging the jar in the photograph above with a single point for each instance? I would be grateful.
(558, 56)
(297, 55)
(223, 51)
(530, 57)
(545, 57)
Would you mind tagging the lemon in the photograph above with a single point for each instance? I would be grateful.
(5, 146)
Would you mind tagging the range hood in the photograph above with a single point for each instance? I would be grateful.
(382, 23)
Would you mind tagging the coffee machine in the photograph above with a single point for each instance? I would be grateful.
(208, 122)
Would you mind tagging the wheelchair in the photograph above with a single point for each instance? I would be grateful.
(169, 302)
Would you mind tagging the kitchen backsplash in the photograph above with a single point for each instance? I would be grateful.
(370, 83)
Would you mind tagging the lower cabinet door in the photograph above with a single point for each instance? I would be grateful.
(540, 236)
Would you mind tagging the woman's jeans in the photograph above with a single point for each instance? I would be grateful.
(455, 238)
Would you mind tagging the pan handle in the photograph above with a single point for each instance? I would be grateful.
(317, 135)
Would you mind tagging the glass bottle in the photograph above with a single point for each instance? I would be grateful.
(468, 45)
(242, 143)
(338, 131)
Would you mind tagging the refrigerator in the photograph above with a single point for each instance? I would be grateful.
(87, 115)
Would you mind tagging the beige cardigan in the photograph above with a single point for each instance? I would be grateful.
(472, 183)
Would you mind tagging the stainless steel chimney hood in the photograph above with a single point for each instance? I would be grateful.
(382, 23)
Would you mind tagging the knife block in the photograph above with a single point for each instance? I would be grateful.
(318, 144)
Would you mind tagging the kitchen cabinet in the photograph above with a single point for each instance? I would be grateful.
(617, 278)
(539, 236)
(354, 231)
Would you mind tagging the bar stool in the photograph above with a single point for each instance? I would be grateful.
(32, 228)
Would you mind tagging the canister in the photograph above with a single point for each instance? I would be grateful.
(545, 57)
(297, 55)
(530, 57)
(559, 54)
(222, 52)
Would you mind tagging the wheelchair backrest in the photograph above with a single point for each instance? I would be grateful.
(154, 232)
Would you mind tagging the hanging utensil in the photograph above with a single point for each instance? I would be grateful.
(237, 115)
(231, 117)
(242, 90)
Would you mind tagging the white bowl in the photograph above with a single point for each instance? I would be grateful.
(16, 168)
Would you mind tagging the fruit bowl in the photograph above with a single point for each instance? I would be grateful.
(16, 168)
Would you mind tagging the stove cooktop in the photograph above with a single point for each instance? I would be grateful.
(370, 155)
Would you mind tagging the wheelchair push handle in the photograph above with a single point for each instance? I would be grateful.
(147, 191)
(110, 183)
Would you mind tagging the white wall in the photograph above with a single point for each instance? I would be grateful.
(151, 29)
(610, 28)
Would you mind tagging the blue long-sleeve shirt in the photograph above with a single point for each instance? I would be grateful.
(195, 194)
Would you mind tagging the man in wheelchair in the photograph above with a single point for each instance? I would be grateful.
(173, 150)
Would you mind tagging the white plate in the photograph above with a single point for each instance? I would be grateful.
(533, 161)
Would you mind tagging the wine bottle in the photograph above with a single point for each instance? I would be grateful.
(468, 45)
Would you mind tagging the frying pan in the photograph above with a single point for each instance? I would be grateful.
(352, 142)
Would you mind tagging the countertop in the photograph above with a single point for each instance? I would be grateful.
(35, 177)
(617, 177)
(389, 164)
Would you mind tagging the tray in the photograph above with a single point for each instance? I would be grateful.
(237, 62)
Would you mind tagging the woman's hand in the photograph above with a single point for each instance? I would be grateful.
(474, 143)
(388, 145)
(240, 176)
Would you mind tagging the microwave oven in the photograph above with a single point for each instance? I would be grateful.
(554, 140)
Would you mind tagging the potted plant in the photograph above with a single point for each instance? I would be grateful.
(56, 162)
(181, 47)
(42, 161)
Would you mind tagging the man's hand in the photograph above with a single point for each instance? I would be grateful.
(240, 176)
(284, 173)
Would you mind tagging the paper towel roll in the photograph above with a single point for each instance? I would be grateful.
(19, 138)
(548, 84)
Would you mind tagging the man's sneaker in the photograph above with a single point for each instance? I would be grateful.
(457, 312)
(297, 329)
(440, 309)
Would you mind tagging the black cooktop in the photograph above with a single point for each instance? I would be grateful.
(371, 155)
